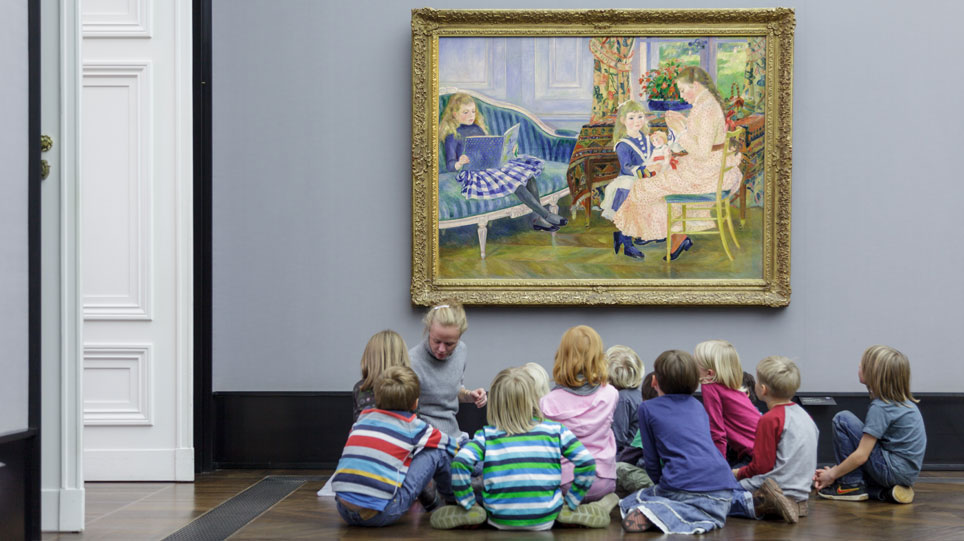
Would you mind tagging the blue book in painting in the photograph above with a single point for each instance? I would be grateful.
(490, 151)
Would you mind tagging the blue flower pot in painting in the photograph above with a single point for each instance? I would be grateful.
(668, 105)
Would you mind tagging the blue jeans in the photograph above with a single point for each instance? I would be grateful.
(428, 464)
(742, 505)
(876, 473)
(677, 511)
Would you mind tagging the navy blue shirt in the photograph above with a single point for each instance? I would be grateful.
(678, 451)
(454, 145)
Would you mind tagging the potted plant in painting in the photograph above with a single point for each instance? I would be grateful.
(660, 90)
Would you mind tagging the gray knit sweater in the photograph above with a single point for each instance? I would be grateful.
(441, 382)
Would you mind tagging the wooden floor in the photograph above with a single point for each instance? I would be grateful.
(136, 511)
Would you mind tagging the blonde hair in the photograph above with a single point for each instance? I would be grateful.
(539, 377)
(448, 313)
(384, 349)
(720, 356)
(780, 375)
(449, 125)
(619, 129)
(887, 374)
(626, 369)
(580, 358)
(397, 388)
(513, 404)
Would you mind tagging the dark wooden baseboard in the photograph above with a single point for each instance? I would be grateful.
(308, 429)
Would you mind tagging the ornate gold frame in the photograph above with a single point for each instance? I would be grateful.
(776, 24)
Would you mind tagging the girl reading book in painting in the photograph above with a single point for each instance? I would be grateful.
(462, 120)
(701, 134)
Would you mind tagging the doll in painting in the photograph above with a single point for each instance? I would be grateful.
(632, 147)
(462, 119)
(661, 155)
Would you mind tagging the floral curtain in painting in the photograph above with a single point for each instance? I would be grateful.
(611, 75)
(754, 86)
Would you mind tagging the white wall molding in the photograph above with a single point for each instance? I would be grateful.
(117, 18)
(131, 464)
(134, 281)
(184, 238)
(118, 385)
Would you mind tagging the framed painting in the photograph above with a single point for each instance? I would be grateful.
(602, 156)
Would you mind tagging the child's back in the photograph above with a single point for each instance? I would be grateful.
(676, 428)
(899, 429)
(529, 460)
(786, 452)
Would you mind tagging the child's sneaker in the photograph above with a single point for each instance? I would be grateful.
(847, 493)
(769, 500)
(901, 494)
(454, 516)
(590, 515)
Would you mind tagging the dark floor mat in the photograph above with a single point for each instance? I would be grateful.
(229, 517)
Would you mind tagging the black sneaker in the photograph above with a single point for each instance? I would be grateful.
(847, 493)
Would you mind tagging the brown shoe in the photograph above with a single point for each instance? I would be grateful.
(803, 508)
(769, 500)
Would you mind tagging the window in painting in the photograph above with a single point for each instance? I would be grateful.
(730, 66)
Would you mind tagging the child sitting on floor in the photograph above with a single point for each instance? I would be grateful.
(391, 455)
(521, 455)
(585, 403)
(626, 375)
(882, 458)
(785, 448)
(384, 349)
(694, 484)
(733, 418)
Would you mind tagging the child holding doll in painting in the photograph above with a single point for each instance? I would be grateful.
(462, 119)
(632, 148)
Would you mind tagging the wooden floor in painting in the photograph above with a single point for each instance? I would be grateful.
(143, 511)
(515, 251)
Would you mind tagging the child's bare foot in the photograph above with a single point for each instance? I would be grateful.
(636, 521)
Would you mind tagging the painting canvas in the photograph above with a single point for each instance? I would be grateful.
(649, 161)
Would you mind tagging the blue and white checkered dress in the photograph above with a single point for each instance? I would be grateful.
(494, 183)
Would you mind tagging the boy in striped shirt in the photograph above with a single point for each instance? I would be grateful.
(521, 473)
(391, 455)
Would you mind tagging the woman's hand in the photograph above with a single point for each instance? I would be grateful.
(823, 478)
(478, 396)
(463, 159)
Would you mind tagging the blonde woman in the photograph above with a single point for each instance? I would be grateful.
(440, 362)
(516, 498)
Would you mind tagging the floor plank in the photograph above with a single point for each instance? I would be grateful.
(136, 511)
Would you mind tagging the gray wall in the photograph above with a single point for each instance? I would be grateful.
(312, 200)
(14, 306)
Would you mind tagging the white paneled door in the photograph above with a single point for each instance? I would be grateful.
(135, 239)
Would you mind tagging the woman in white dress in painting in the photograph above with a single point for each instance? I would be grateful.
(701, 134)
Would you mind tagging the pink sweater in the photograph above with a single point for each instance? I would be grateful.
(733, 418)
(590, 418)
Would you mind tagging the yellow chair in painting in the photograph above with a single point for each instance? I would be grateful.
(718, 203)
